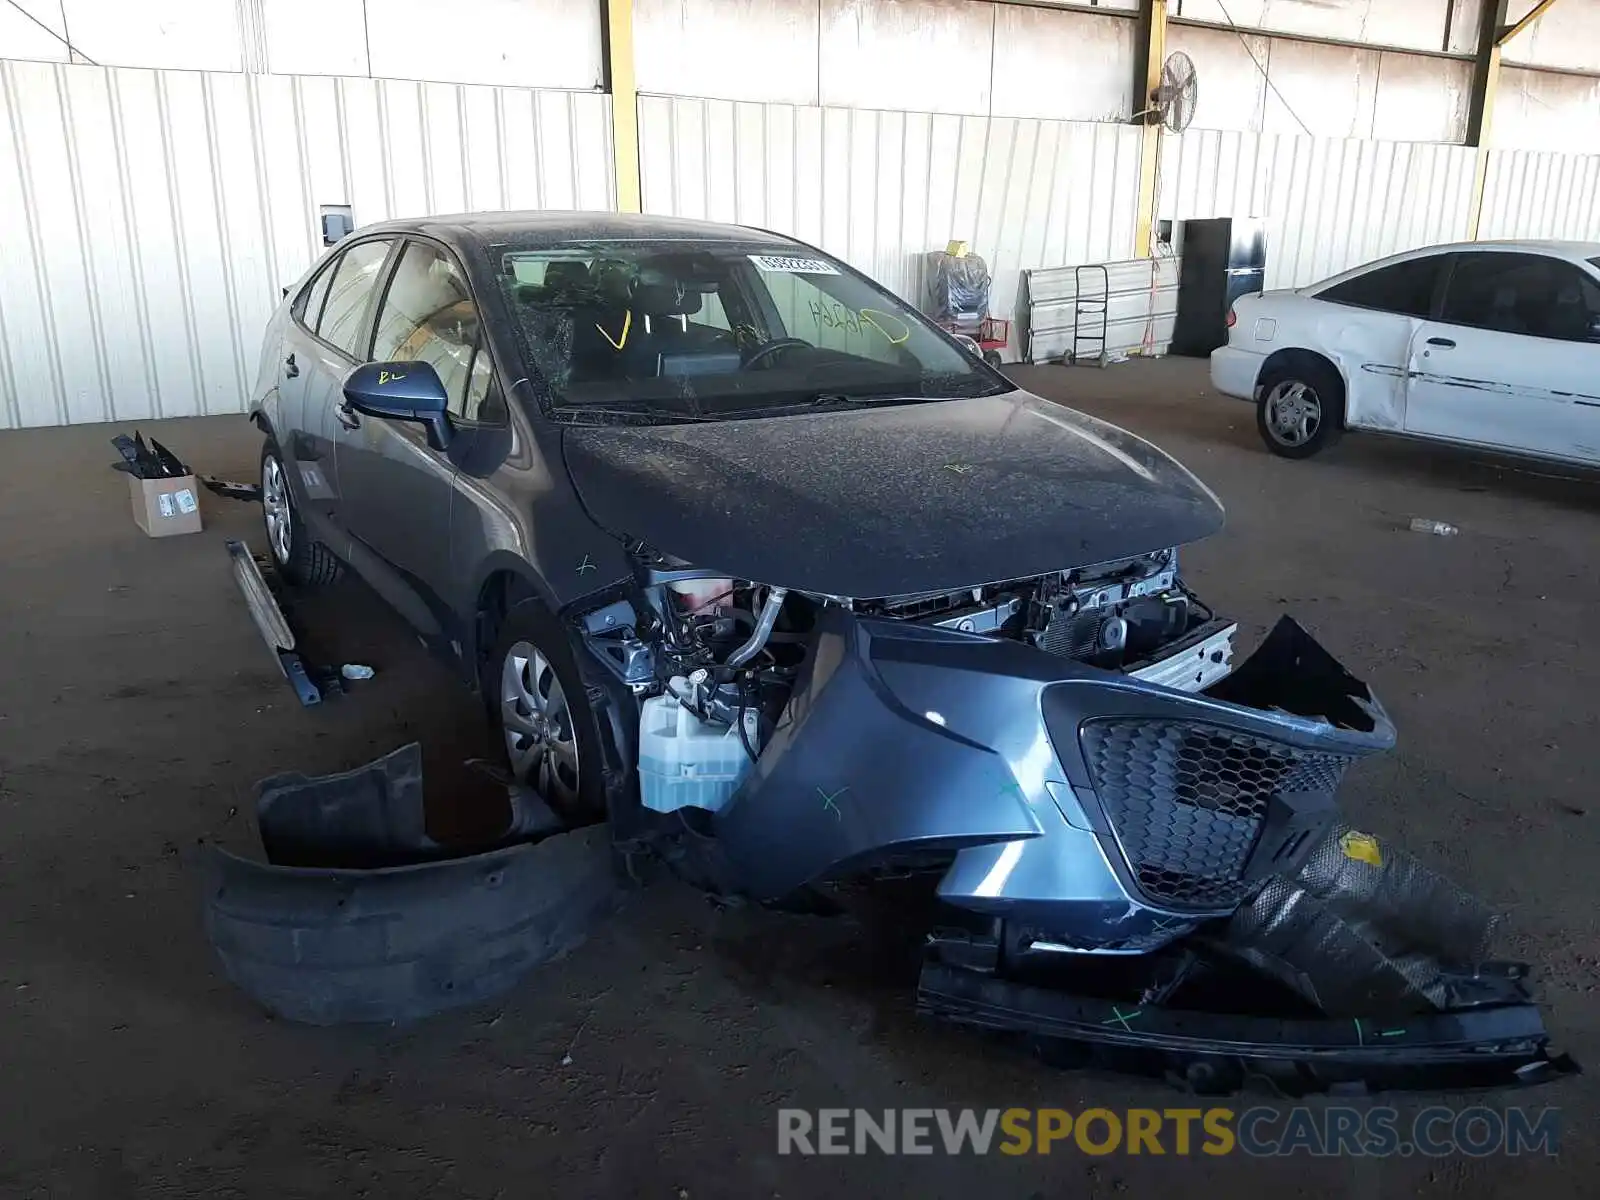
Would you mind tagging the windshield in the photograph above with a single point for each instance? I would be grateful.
(715, 329)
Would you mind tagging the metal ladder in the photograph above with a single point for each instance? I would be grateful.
(1093, 308)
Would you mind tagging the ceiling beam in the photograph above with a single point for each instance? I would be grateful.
(1507, 32)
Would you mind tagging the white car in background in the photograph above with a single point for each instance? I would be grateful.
(1486, 344)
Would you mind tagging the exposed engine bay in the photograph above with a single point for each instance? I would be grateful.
(739, 645)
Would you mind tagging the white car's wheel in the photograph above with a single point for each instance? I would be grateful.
(1301, 408)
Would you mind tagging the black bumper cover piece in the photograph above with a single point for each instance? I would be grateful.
(327, 947)
(359, 917)
(1215, 1053)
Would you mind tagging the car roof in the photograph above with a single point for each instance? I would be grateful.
(558, 227)
(1576, 251)
(1583, 254)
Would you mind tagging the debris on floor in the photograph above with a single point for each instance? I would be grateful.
(1440, 528)
(359, 916)
(1363, 970)
(230, 490)
(162, 489)
(273, 625)
(355, 671)
(147, 460)
(1364, 928)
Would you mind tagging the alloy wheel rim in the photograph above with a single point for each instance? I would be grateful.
(1294, 413)
(275, 504)
(541, 741)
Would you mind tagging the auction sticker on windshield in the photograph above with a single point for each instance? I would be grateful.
(787, 265)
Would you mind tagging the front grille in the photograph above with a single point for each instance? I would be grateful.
(1187, 800)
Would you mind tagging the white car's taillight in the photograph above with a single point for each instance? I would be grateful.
(1233, 317)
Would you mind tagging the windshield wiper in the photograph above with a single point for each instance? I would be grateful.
(568, 413)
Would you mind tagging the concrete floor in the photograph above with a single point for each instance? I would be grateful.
(137, 707)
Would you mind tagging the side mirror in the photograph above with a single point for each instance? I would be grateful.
(401, 391)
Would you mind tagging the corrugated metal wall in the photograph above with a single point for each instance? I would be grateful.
(882, 189)
(1330, 203)
(1539, 194)
(151, 217)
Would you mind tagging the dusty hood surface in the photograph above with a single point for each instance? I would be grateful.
(881, 501)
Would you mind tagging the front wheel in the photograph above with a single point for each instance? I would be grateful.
(1301, 409)
(299, 557)
(551, 735)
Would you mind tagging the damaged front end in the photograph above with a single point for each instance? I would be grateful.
(1075, 751)
(1075, 759)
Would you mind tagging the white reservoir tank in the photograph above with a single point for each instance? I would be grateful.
(684, 761)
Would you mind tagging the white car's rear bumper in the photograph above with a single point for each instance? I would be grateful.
(1234, 372)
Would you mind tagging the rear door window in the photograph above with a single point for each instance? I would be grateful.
(1529, 294)
(308, 305)
(350, 295)
(1406, 288)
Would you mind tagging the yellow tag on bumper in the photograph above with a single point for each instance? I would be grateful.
(1362, 847)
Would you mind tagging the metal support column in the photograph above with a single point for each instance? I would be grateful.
(617, 56)
(1150, 51)
(1480, 102)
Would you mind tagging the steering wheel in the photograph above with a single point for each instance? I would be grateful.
(772, 347)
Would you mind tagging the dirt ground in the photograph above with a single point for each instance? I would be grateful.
(137, 707)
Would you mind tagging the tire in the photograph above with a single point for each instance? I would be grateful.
(1301, 410)
(548, 726)
(300, 559)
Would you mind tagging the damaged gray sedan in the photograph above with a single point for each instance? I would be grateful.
(753, 561)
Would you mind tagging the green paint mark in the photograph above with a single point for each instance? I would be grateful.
(829, 798)
(586, 565)
(1390, 1032)
(1360, 1037)
(958, 468)
(1118, 1017)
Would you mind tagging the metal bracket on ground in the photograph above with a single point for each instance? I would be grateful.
(271, 623)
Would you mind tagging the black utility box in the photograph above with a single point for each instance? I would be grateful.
(1223, 258)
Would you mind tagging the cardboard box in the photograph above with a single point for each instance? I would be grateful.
(163, 507)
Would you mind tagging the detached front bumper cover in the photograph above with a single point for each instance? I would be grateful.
(1216, 1053)
(1362, 970)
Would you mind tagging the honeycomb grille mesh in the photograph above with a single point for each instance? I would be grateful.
(1187, 800)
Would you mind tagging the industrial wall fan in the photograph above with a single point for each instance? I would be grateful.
(1173, 101)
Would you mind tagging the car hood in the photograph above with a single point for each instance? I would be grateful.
(883, 501)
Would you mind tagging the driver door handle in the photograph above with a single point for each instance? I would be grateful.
(346, 416)
(290, 371)
(1446, 342)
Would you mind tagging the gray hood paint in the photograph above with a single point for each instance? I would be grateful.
(889, 500)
